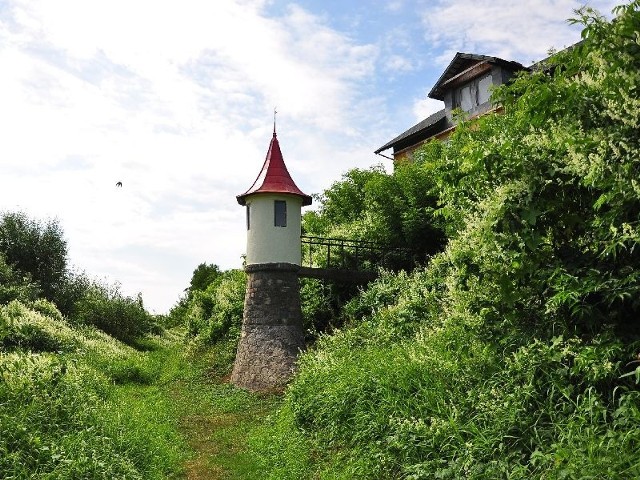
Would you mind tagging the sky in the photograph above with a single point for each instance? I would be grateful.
(176, 100)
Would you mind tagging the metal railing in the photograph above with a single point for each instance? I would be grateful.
(340, 253)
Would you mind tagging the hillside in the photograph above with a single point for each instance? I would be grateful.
(513, 353)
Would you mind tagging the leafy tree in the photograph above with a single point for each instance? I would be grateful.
(105, 307)
(204, 275)
(34, 248)
(215, 314)
(393, 210)
(70, 290)
(14, 286)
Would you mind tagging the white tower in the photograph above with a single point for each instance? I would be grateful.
(274, 209)
(272, 334)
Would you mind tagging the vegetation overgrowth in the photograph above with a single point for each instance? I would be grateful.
(63, 370)
(59, 412)
(102, 389)
(514, 352)
(502, 341)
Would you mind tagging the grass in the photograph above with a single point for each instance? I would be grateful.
(190, 405)
(216, 419)
(76, 403)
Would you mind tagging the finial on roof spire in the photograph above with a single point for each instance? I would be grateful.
(274, 121)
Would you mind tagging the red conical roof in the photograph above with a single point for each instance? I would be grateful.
(274, 176)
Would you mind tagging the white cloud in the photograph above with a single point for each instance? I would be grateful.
(423, 107)
(397, 63)
(394, 6)
(523, 31)
(173, 100)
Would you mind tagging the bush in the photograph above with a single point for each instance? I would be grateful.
(27, 329)
(394, 211)
(106, 308)
(56, 422)
(216, 313)
(71, 290)
(57, 415)
(34, 248)
(322, 304)
(14, 286)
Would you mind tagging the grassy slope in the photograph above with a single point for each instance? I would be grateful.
(75, 403)
(515, 353)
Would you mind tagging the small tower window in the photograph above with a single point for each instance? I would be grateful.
(280, 213)
(248, 216)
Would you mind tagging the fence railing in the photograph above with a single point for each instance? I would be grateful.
(340, 253)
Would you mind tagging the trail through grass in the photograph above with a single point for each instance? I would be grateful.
(213, 418)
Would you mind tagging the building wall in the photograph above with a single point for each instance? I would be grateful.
(267, 243)
(407, 154)
(272, 334)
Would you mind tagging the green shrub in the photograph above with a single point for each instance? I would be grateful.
(56, 422)
(34, 248)
(70, 291)
(14, 286)
(48, 309)
(216, 313)
(322, 304)
(394, 211)
(121, 317)
(48, 409)
(27, 329)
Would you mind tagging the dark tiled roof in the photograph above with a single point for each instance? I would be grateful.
(430, 121)
(462, 61)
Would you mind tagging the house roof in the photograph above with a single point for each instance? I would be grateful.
(463, 64)
(460, 63)
(428, 122)
(274, 176)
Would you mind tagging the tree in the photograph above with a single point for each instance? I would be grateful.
(35, 248)
(204, 275)
(14, 286)
(396, 211)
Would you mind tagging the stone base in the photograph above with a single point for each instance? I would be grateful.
(272, 335)
(266, 357)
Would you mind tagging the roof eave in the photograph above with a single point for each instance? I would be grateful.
(306, 199)
(407, 134)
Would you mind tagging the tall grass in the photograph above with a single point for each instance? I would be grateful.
(62, 413)
(446, 403)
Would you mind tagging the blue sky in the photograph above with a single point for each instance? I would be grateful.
(176, 99)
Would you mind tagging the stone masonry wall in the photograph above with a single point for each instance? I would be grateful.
(272, 335)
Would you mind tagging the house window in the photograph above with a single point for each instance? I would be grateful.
(248, 216)
(280, 213)
(484, 89)
(469, 96)
(473, 94)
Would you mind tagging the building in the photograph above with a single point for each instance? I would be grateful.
(272, 334)
(465, 85)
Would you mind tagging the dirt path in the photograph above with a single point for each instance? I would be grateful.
(216, 419)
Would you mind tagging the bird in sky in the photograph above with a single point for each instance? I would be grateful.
(118, 184)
